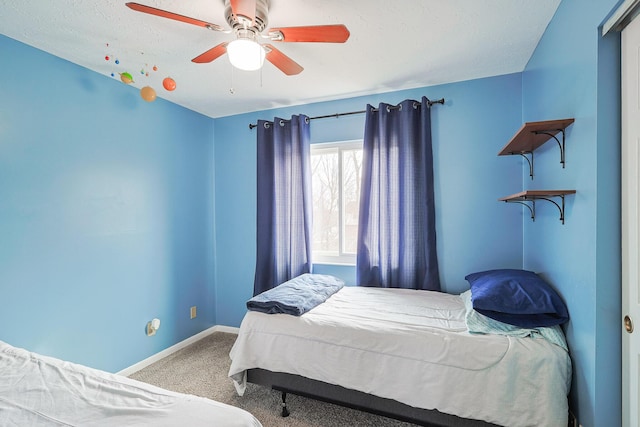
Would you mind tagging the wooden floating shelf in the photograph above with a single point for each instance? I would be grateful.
(534, 134)
(536, 194)
(530, 136)
(533, 195)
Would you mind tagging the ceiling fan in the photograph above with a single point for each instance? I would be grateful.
(248, 19)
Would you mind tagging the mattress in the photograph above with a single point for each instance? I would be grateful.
(37, 390)
(414, 347)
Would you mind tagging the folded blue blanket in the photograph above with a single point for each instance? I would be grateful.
(296, 296)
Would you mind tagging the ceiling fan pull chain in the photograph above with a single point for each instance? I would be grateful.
(231, 89)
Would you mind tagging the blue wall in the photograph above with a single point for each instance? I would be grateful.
(474, 231)
(105, 214)
(574, 72)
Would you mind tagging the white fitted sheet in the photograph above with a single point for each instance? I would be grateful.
(413, 347)
(37, 390)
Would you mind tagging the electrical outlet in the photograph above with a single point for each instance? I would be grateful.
(193, 312)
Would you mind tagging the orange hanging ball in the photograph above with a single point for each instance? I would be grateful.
(148, 94)
(169, 84)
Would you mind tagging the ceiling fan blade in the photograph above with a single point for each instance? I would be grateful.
(318, 33)
(165, 14)
(246, 8)
(282, 61)
(213, 53)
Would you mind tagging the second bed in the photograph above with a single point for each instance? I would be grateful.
(414, 348)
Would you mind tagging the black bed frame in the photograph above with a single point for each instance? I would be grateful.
(295, 384)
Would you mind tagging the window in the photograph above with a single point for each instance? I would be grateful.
(336, 170)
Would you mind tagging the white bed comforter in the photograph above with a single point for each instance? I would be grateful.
(413, 347)
(37, 390)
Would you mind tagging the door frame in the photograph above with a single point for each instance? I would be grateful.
(619, 20)
(624, 14)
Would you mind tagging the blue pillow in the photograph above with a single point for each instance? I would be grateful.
(516, 297)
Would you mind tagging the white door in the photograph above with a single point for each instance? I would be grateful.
(631, 223)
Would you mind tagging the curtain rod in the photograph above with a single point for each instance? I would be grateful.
(336, 115)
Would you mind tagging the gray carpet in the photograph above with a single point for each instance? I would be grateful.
(201, 369)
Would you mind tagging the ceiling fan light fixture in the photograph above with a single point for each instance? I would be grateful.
(246, 54)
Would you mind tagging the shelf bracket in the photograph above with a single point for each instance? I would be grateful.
(532, 207)
(560, 208)
(524, 154)
(560, 144)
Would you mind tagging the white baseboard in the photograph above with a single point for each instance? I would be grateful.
(182, 344)
(227, 329)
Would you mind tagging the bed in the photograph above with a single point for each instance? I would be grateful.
(409, 355)
(38, 390)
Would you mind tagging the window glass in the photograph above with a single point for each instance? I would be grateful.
(336, 171)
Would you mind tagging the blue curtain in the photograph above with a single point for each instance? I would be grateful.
(396, 234)
(284, 202)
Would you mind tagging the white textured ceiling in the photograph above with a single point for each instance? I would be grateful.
(393, 45)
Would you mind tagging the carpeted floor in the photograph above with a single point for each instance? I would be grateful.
(201, 369)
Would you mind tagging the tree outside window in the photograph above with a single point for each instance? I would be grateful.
(336, 173)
